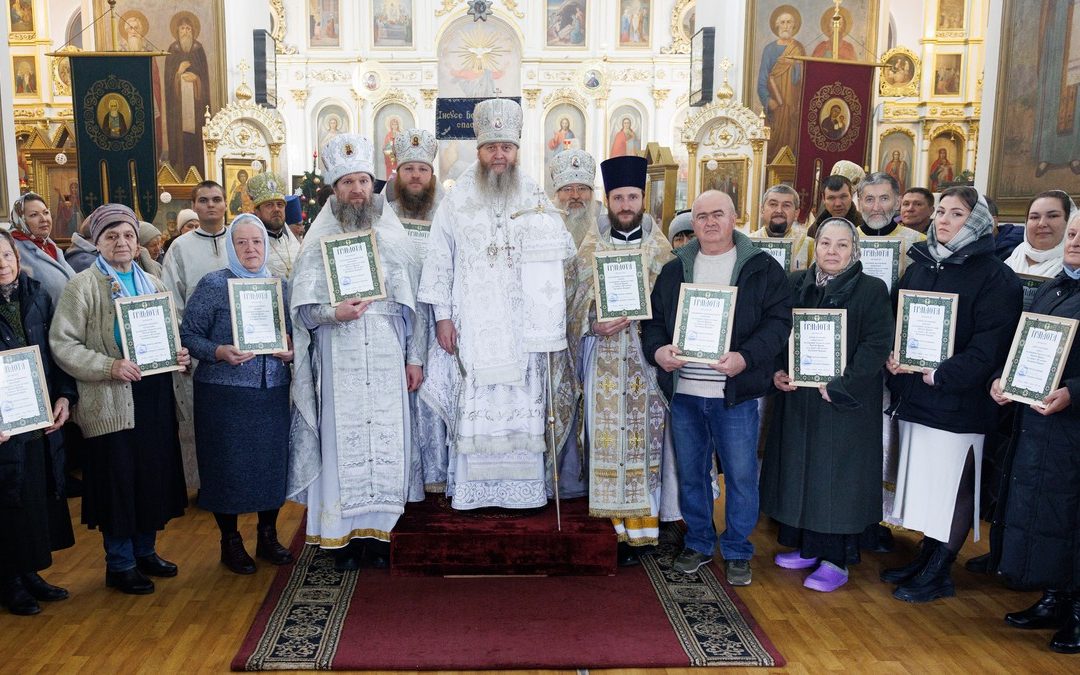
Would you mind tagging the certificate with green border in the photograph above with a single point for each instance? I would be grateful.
(781, 249)
(257, 312)
(882, 257)
(817, 350)
(706, 313)
(418, 231)
(925, 329)
(24, 395)
(1037, 357)
(621, 285)
(148, 332)
(1030, 283)
(353, 269)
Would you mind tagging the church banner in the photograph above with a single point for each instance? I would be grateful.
(836, 120)
(453, 117)
(112, 96)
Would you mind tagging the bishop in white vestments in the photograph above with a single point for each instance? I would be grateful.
(494, 277)
(351, 446)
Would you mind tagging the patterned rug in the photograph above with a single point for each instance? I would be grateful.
(315, 618)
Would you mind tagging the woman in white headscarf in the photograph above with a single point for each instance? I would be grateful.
(40, 257)
(1043, 248)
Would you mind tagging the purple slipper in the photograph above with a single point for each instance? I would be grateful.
(793, 560)
(826, 578)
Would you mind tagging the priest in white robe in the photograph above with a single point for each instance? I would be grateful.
(495, 280)
(267, 193)
(416, 194)
(351, 446)
(190, 257)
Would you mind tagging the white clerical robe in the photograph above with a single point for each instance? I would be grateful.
(351, 446)
(282, 254)
(190, 257)
(479, 273)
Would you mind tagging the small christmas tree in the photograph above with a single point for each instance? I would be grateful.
(309, 186)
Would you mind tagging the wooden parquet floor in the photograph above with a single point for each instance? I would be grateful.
(195, 622)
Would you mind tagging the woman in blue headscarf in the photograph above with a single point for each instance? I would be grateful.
(241, 406)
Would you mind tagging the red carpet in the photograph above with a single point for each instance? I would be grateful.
(648, 616)
(432, 539)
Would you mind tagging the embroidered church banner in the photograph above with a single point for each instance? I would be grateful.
(112, 96)
(835, 122)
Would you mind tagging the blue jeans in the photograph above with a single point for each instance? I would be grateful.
(701, 427)
(121, 552)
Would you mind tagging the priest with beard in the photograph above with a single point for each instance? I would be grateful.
(494, 277)
(879, 204)
(779, 207)
(572, 174)
(418, 194)
(625, 411)
(268, 197)
(351, 436)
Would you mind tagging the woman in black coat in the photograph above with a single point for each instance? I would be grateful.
(821, 474)
(34, 518)
(946, 412)
(1041, 525)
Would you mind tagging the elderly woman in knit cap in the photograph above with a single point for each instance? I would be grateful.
(133, 477)
(681, 230)
(39, 255)
(821, 474)
(34, 518)
(240, 471)
(946, 412)
(150, 253)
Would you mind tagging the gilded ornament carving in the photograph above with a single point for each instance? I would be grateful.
(556, 75)
(680, 41)
(933, 132)
(894, 111)
(60, 87)
(331, 75)
(404, 76)
(300, 96)
(896, 130)
(531, 96)
(397, 96)
(720, 116)
(630, 75)
(429, 96)
(564, 95)
(660, 95)
(900, 74)
(947, 111)
(447, 7)
(267, 122)
(277, 27)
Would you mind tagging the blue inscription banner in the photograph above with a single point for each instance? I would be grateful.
(453, 117)
(113, 101)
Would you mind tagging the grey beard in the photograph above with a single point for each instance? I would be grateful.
(491, 184)
(418, 205)
(886, 220)
(630, 227)
(353, 218)
(579, 220)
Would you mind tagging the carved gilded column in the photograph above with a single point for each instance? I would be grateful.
(758, 147)
(692, 188)
(211, 159)
(275, 158)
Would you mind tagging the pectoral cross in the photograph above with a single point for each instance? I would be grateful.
(493, 252)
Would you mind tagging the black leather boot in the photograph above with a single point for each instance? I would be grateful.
(933, 582)
(16, 598)
(1048, 612)
(628, 555)
(132, 582)
(154, 565)
(979, 565)
(1067, 639)
(898, 575)
(377, 554)
(234, 556)
(41, 589)
(269, 548)
(347, 558)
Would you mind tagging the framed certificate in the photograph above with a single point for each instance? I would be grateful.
(1039, 350)
(1030, 284)
(703, 321)
(418, 231)
(257, 310)
(621, 285)
(353, 269)
(782, 250)
(148, 332)
(925, 329)
(817, 350)
(24, 395)
(882, 257)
